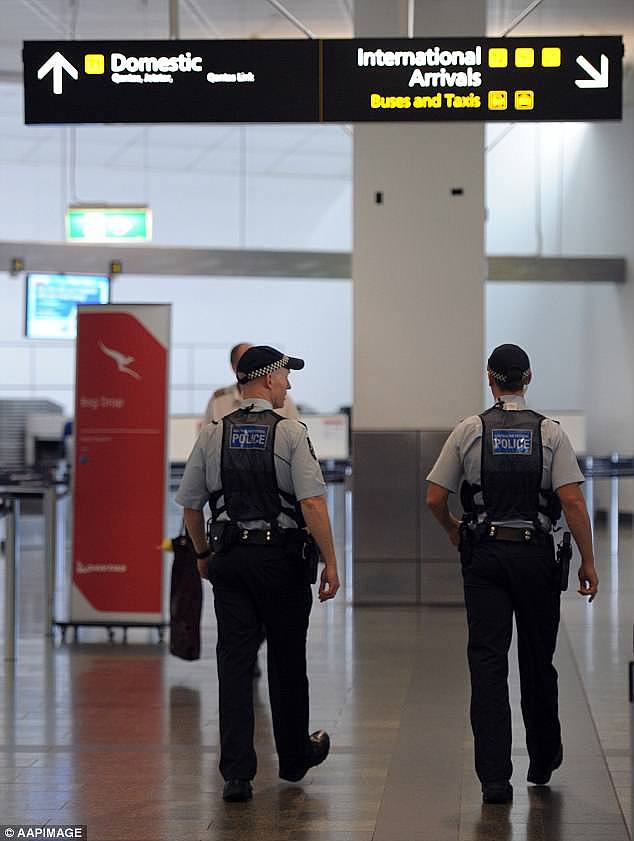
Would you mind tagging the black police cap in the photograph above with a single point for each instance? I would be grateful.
(509, 365)
(260, 360)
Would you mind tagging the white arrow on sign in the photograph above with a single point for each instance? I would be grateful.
(598, 78)
(57, 63)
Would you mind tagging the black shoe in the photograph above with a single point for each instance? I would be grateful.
(319, 748)
(237, 791)
(541, 776)
(497, 792)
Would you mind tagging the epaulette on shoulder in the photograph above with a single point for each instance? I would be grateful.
(221, 392)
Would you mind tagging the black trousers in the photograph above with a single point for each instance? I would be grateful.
(257, 586)
(502, 580)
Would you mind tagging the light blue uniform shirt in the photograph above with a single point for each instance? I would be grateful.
(296, 468)
(460, 457)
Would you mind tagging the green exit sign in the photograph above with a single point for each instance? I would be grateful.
(108, 224)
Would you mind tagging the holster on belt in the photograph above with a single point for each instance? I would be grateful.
(563, 558)
(221, 535)
(466, 539)
(310, 557)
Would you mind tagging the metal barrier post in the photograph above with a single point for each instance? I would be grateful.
(11, 578)
(349, 586)
(588, 489)
(330, 501)
(50, 552)
(614, 507)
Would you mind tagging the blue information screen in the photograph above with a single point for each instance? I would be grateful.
(51, 302)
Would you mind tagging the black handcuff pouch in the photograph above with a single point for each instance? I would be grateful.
(221, 535)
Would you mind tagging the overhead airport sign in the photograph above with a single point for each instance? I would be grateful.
(339, 81)
(170, 81)
(509, 79)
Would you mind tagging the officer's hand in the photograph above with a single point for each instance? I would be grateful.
(588, 580)
(454, 533)
(328, 583)
(203, 567)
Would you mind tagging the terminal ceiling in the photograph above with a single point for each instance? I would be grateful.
(306, 151)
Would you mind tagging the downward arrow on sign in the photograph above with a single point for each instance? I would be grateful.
(598, 78)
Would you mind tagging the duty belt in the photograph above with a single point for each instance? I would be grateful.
(512, 533)
(267, 537)
(222, 535)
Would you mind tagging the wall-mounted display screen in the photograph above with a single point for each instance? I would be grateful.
(51, 302)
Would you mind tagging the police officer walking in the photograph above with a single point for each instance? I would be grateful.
(519, 472)
(228, 399)
(266, 493)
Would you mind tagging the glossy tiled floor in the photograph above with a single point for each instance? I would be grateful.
(123, 738)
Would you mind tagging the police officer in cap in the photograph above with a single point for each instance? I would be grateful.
(519, 472)
(228, 399)
(266, 493)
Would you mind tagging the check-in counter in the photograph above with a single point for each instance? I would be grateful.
(43, 434)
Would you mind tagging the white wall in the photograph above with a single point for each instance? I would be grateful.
(568, 189)
(305, 318)
(310, 319)
(212, 186)
(578, 338)
(189, 209)
(548, 320)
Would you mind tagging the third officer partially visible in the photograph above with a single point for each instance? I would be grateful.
(518, 470)
(266, 493)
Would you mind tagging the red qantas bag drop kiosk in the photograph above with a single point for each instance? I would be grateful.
(120, 465)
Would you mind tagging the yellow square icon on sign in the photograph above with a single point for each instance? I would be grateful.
(524, 100)
(524, 57)
(498, 57)
(551, 56)
(94, 64)
(498, 100)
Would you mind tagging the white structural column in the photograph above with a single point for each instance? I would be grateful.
(418, 273)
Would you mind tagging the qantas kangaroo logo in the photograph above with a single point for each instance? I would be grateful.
(122, 361)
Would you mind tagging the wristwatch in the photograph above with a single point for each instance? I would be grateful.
(200, 556)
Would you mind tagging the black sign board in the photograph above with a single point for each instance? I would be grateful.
(171, 81)
(291, 81)
(508, 79)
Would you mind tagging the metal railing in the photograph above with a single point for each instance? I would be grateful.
(612, 468)
(11, 496)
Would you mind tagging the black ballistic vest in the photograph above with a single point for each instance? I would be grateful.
(511, 463)
(247, 470)
(511, 469)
